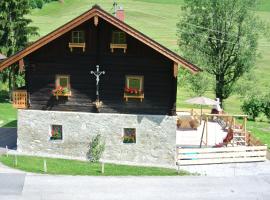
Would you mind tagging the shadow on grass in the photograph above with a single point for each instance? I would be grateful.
(12, 124)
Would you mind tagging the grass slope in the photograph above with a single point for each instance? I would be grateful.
(74, 167)
(8, 115)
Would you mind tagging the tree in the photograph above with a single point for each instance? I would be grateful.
(253, 106)
(96, 148)
(221, 36)
(199, 83)
(14, 34)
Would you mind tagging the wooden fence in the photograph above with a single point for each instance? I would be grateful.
(198, 156)
(19, 99)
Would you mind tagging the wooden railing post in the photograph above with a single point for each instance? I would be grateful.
(206, 128)
(245, 129)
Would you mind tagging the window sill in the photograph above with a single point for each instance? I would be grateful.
(130, 96)
(76, 45)
(118, 46)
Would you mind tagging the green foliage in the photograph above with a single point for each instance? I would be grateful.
(8, 114)
(245, 86)
(222, 38)
(14, 36)
(96, 148)
(39, 3)
(266, 106)
(253, 106)
(199, 83)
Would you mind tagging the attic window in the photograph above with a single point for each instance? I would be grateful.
(119, 41)
(134, 88)
(62, 86)
(77, 40)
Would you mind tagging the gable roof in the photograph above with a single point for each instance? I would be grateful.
(97, 11)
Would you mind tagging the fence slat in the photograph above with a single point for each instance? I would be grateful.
(220, 160)
(222, 149)
(222, 155)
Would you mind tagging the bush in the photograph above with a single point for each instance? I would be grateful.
(39, 3)
(253, 106)
(96, 148)
(266, 106)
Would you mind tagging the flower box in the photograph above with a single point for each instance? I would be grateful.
(131, 93)
(60, 91)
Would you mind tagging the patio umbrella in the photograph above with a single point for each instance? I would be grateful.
(2, 57)
(202, 101)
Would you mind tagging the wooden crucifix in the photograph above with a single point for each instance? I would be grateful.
(97, 74)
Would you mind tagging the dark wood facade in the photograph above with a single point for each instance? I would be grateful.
(55, 58)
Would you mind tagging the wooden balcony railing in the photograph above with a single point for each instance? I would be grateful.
(20, 99)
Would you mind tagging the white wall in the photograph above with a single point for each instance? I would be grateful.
(155, 145)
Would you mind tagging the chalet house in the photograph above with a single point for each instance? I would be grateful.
(97, 75)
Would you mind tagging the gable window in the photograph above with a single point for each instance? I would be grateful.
(56, 132)
(119, 41)
(77, 40)
(62, 86)
(134, 87)
(129, 135)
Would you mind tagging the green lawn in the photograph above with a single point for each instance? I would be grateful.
(8, 115)
(260, 130)
(74, 167)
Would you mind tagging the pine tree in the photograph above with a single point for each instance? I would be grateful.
(14, 34)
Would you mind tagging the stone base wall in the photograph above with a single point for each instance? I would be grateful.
(155, 136)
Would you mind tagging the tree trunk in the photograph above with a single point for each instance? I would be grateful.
(219, 88)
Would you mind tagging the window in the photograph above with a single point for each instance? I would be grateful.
(118, 37)
(62, 81)
(129, 135)
(134, 87)
(119, 41)
(77, 40)
(134, 82)
(78, 37)
(56, 132)
(62, 86)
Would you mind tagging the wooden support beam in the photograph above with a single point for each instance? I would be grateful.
(175, 70)
(96, 20)
(245, 129)
(21, 65)
(206, 130)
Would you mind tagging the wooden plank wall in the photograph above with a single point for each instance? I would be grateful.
(56, 58)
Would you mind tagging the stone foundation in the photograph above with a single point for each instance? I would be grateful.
(155, 136)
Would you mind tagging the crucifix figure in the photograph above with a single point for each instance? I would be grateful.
(97, 73)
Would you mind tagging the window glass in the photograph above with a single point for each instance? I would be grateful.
(134, 82)
(56, 132)
(129, 135)
(63, 82)
(78, 37)
(119, 37)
